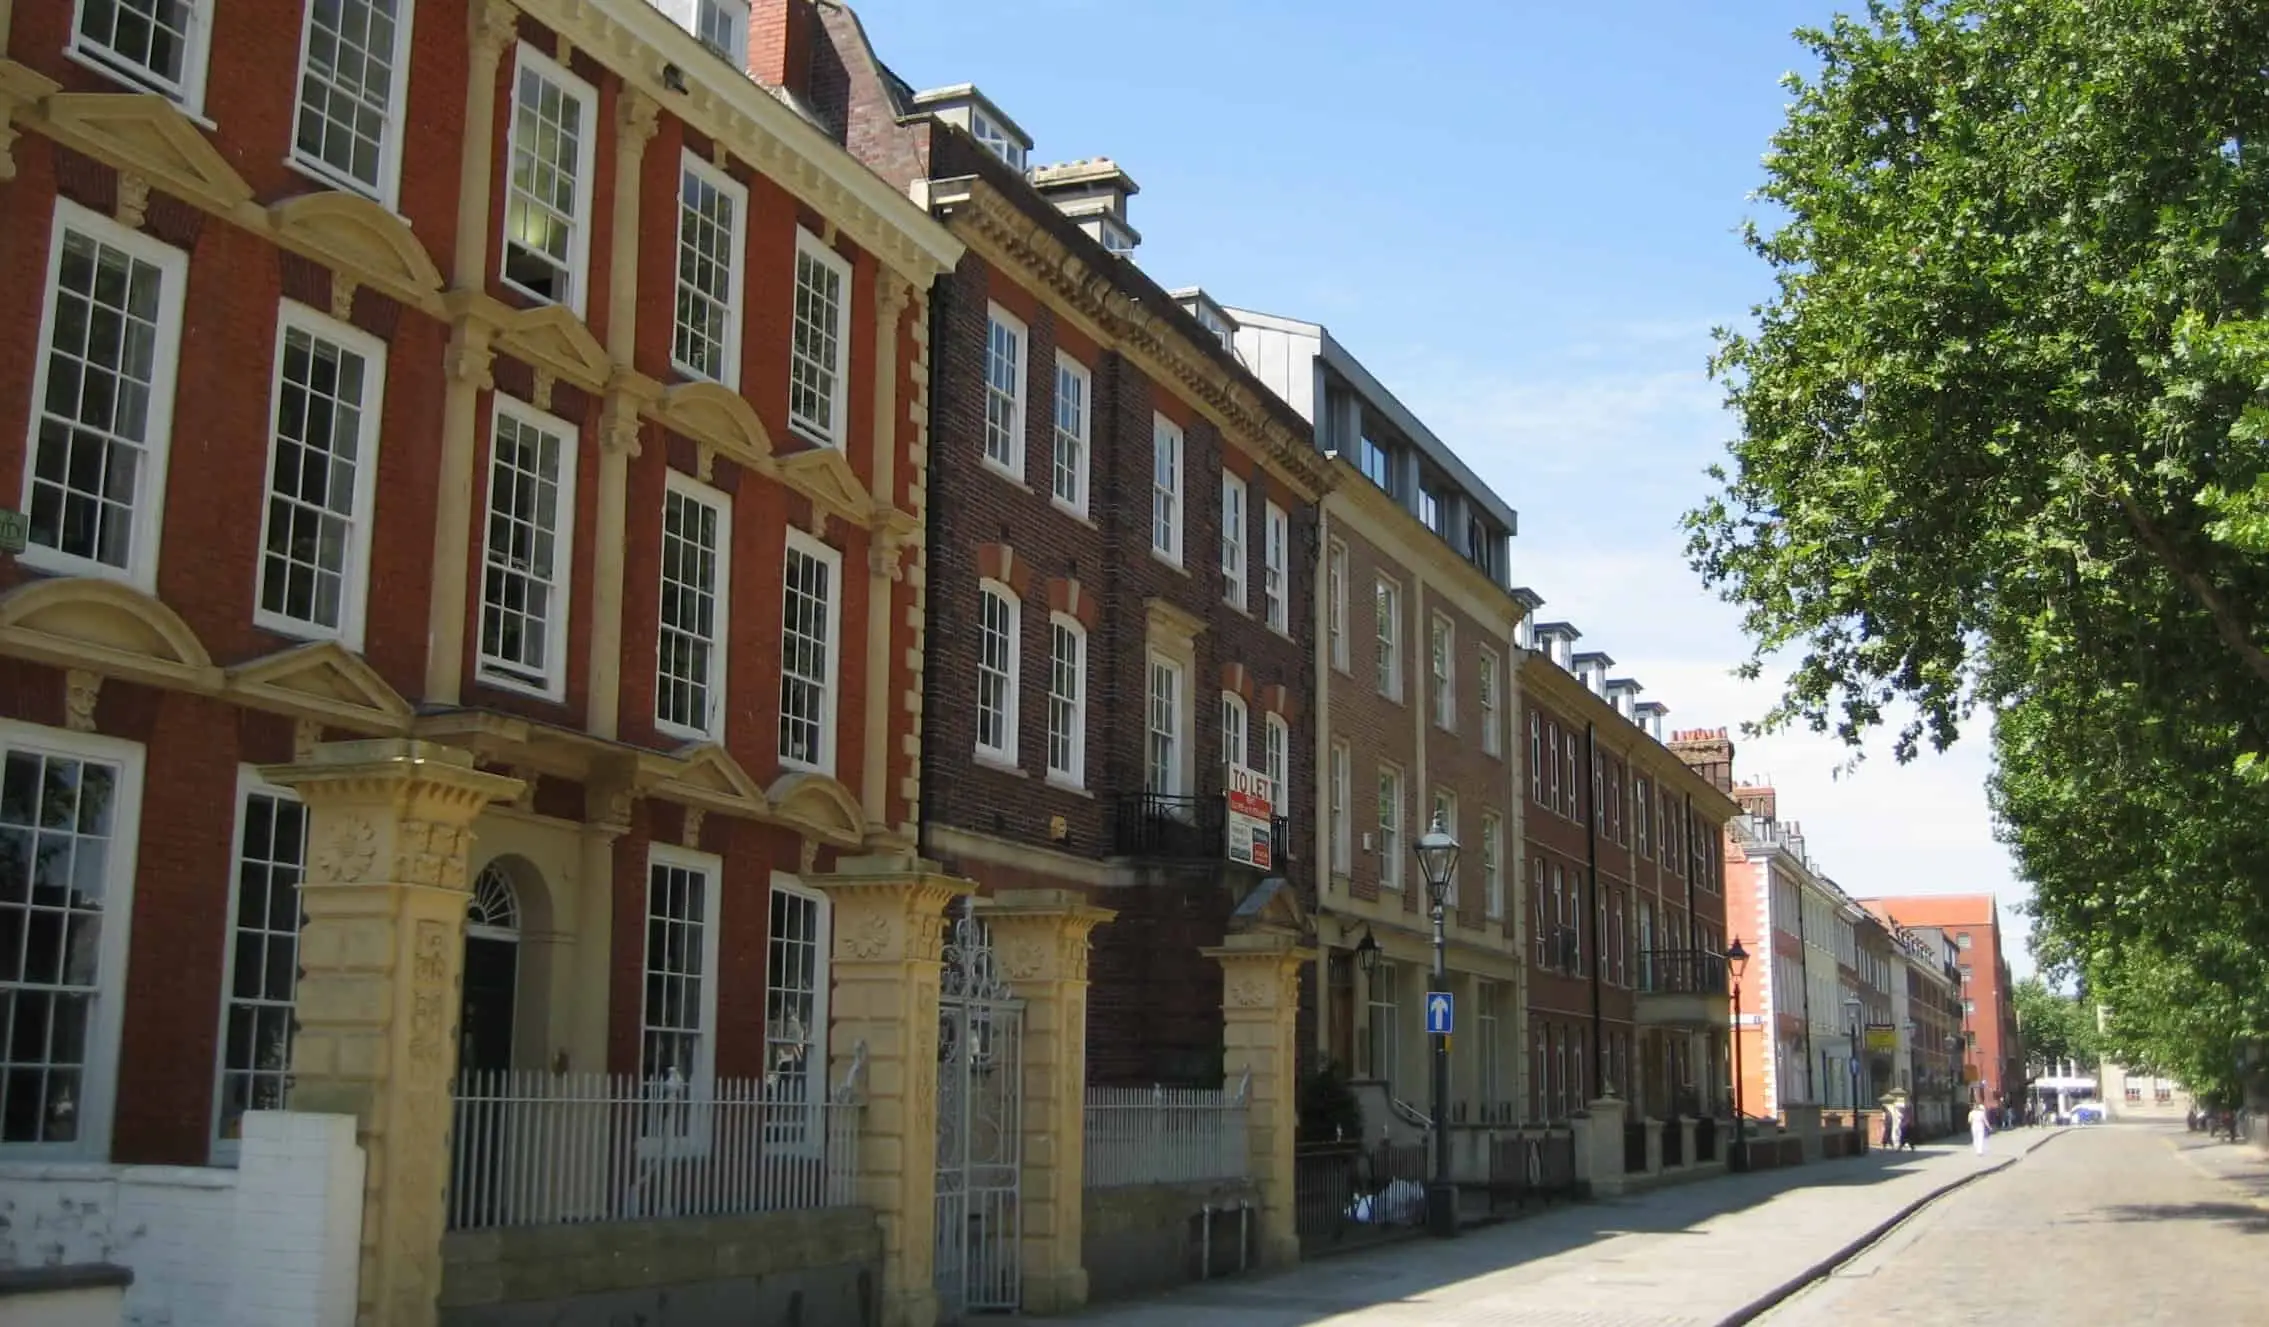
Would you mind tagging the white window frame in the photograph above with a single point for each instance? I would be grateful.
(1492, 720)
(493, 670)
(146, 524)
(1342, 811)
(1070, 727)
(1276, 572)
(1387, 602)
(712, 870)
(690, 489)
(386, 189)
(1442, 665)
(99, 1081)
(1234, 520)
(530, 60)
(188, 92)
(735, 195)
(1493, 865)
(1236, 732)
(1536, 757)
(1639, 808)
(1003, 752)
(830, 737)
(838, 426)
(733, 17)
(1168, 477)
(1445, 805)
(1169, 779)
(1335, 621)
(1006, 337)
(815, 1043)
(1276, 761)
(1391, 829)
(354, 574)
(1074, 431)
(224, 1151)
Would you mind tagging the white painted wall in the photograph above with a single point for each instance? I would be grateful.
(270, 1244)
(84, 1307)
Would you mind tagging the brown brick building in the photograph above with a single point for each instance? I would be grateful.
(1992, 1052)
(1624, 892)
(577, 438)
(1122, 529)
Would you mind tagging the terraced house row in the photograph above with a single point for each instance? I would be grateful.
(646, 669)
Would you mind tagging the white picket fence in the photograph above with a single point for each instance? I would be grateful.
(535, 1148)
(1165, 1135)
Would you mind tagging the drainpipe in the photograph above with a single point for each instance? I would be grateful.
(1804, 970)
(933, 522)
(1591, 847)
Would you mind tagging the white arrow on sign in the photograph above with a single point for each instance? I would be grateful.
(1440, 1008)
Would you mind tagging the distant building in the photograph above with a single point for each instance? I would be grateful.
(1993, 1058)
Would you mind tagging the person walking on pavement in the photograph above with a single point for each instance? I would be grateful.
(1894, 1126)
(1906, 1128)
(1979, 1128)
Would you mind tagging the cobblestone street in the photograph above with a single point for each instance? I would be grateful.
(1689, 1256)
(2133, 1223)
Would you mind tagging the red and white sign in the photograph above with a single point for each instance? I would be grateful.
(1252, 818)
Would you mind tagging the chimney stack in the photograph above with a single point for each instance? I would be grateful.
(1760, 802)
(781, 34)
(1708, 752)
(1093, 193)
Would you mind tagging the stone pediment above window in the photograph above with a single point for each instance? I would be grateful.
(553, 340)
(825, 476)
(105, 627)
(720, 419)
(356, 237)
(819, 807)
(709, 778)
(323, 681)
(143, 134)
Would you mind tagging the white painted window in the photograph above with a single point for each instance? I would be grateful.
(1568, 776)
(819, 354)
(1005, 339)
(1492, 720)
(526, 547)
(262, 960)
(795, 995)
(1390, 827)
(103, 425)
(999, 632)
(678, 1016)
(1535, 757)
(70, 818)
(1639, 813)
(1234, 753)
(1165, 714)
(1067, 701)
(1342, 808)
(722, 26)
(697, 538)
(1485, 1024)
(1442, 647)
(811, 613)
(547, 196)
(1446, 815)
(1493, 865)
(1233, 540)
(1166, 489)
(1389, 654)
(1335, 573)
(1276, 538)
(995, 139)
(1075, 390)
(1276, 761)
(1386, 1020)
(706, 337)
(353, 72)
(161, 45)
(322, 467)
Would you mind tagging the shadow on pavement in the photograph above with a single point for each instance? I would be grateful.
(2251, 1220)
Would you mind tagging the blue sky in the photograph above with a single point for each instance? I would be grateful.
(1523, 217)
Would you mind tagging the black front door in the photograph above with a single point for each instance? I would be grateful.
(484, 1028)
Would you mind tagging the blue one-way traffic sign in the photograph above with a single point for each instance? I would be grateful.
(1440, 1013)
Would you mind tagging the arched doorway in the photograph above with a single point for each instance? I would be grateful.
(492, 971)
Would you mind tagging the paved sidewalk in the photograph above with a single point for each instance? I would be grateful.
(2240, 1165)
(1689, 1256)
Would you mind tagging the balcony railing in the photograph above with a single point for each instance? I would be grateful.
(1190, 829)
(1681, 972)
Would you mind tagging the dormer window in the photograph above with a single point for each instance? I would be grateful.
(1115, 237)
(722, 26)
(997, 140)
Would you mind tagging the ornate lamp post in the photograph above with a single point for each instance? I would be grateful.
(1437, 862)
(1852, 1012)
(1737, 962)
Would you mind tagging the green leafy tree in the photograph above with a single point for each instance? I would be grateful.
(2055, 1026)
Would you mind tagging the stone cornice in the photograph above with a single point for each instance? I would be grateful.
(1573, 698)
(639, 42)
(1369, 511)
(996, 227)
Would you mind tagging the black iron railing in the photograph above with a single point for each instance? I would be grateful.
(1681, 972)
(1189, 829)
(1635, 1148)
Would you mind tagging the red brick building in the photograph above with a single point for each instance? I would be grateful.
(1122, 532)
(525, 380)
(1993, 1054)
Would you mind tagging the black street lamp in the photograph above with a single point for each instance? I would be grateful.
(1437, 862)
(1737, 962)
(1852, 1008)
(1367, 953)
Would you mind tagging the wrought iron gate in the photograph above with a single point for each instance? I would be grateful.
(980, 1127)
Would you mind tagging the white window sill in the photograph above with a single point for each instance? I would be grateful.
(1000, 762)
(555, 693)
(692, 374)
(1236, 603)
(668, 729)
(1079, 514)
(39, 557)
(349, 636)
(826, 767)
(1167, 560)
(814, 435)
(1007, 473)
(1064, 783)
(573, 305)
